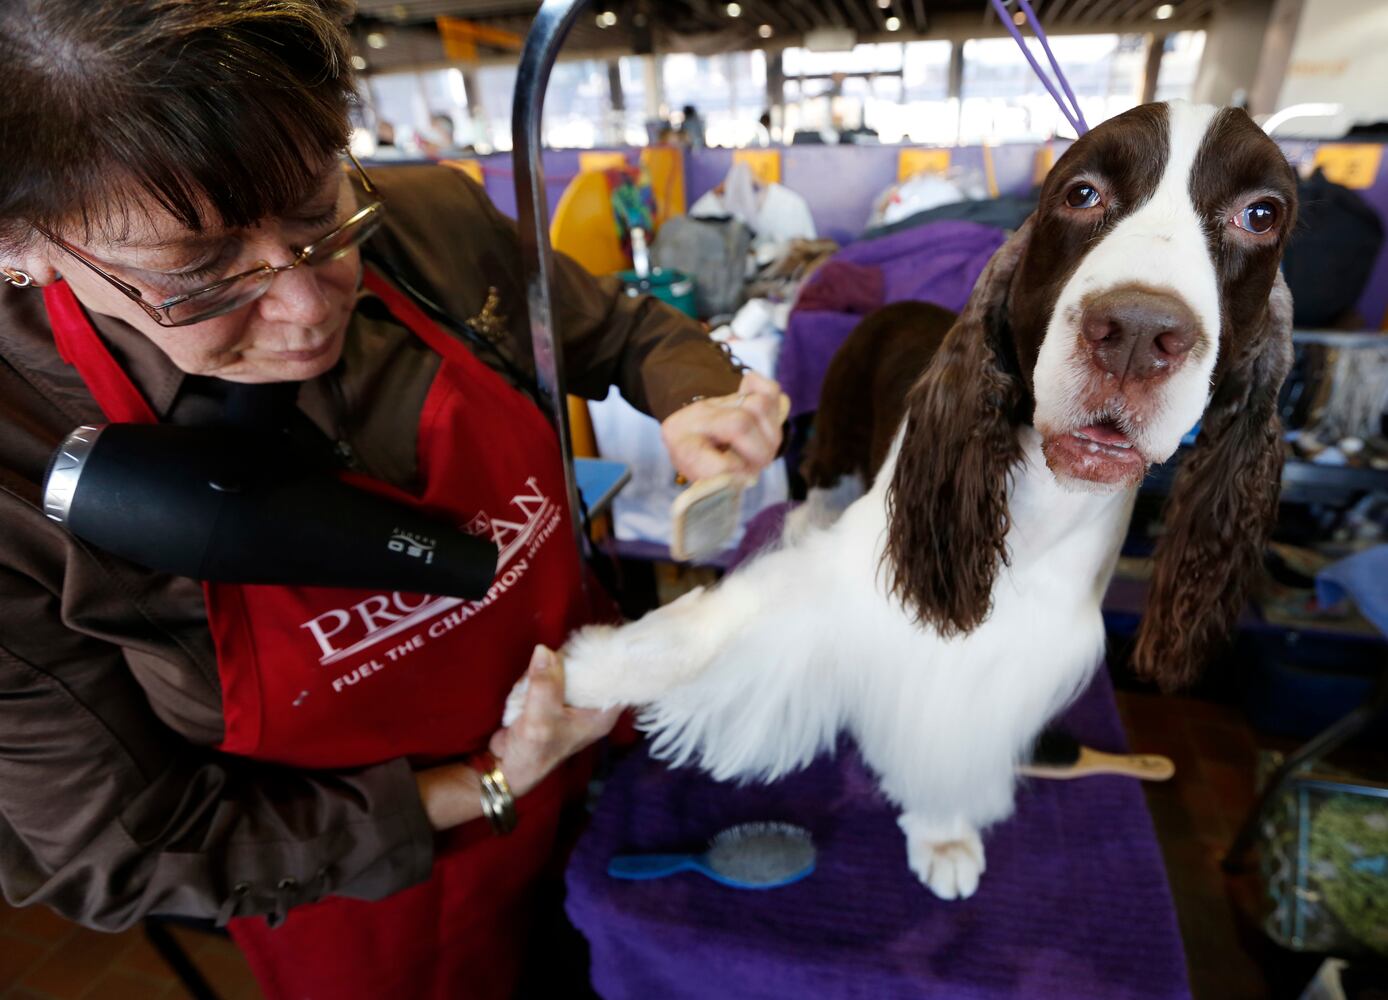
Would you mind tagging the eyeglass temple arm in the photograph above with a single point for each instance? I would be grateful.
(133, 293)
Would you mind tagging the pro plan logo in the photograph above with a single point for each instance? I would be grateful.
(385, 628)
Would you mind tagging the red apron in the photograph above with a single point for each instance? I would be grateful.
(329, 678)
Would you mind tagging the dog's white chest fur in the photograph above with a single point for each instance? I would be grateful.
(968, 707)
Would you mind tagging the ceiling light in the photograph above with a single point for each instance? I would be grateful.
(607, 19)
(884, 4)
(734, 9)
(376, 40)
(1163, 12)
(765, 31)
(358, 63)
(1019, 19)
(893, 23)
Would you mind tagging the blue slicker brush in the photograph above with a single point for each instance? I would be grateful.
(748, 856)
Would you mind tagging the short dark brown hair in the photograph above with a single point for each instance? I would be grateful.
(220, 111)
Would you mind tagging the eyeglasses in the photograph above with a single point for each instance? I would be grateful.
(230, 294)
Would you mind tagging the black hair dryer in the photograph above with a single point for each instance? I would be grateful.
(242, 505)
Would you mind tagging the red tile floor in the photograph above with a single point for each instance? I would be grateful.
(43, 957)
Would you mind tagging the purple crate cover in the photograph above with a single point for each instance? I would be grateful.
(937, 262)
(1074, 904)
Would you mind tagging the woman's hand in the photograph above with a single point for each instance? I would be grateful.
(739, 434)
(547, 732)
(544, 735)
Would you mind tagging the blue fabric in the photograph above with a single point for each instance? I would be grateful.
(1362, 577)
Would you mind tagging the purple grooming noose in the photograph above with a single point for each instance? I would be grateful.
(1072, 111)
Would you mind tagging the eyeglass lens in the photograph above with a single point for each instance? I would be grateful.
(221, 299)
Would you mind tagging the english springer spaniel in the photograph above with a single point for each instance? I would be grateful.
(955, 608)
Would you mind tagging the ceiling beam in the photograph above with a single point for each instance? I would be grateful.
(1056, 10)
(1196, 8)
(862, 21)
(1080, 7)
(793, 15)
(877, 14)
(1109, 9)
(918, 12)
(832, 13)
(774, 14)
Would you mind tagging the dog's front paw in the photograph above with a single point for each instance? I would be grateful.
(947, 860)
(597, 671)
(589, 680)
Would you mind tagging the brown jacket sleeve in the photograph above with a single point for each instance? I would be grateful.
(106, 815)
(445, 229)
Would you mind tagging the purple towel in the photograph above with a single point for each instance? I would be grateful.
(938, 263)
(1074, 905)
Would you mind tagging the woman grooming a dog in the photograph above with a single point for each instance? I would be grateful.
(174, 217)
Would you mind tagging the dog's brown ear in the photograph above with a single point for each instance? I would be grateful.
(1221, 509)
(947, 501)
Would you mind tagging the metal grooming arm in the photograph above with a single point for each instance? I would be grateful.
(547, 33)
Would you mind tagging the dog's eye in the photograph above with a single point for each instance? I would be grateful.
(1258, 218)
(1082, 196)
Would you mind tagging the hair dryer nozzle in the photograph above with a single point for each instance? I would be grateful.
(238, 505)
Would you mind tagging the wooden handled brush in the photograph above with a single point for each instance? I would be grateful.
(704, 517)
(1061, 757)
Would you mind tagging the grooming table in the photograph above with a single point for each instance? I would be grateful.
(1074, 904)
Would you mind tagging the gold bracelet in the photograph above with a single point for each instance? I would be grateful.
(498, 804)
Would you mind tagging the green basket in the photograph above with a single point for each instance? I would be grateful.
(674, 287)
(1325, 862)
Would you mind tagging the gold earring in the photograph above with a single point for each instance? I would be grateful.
(16, 277)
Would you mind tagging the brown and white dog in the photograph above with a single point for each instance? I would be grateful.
(953, 609)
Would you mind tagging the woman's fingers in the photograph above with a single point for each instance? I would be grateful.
(547, 732)
(739, 434)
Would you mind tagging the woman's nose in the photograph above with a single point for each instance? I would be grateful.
(298, 296)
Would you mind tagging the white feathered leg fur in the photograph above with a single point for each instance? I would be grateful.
(753, 678)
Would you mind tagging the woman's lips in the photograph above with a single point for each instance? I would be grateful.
(305, 354)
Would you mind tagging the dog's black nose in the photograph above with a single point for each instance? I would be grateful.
(1138, 332)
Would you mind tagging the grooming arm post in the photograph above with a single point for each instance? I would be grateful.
(547, 33)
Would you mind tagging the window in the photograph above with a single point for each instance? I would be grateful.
(897, 90)
(578, 105)
(1004, 100)
(398, 100)
(632, 71)
(728, 91)
(1179, 65)
(926, 114)
(409, 100)
(495, 87)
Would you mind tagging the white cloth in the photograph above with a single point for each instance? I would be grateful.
(915, 194)
(775, 213)
(741, 199)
